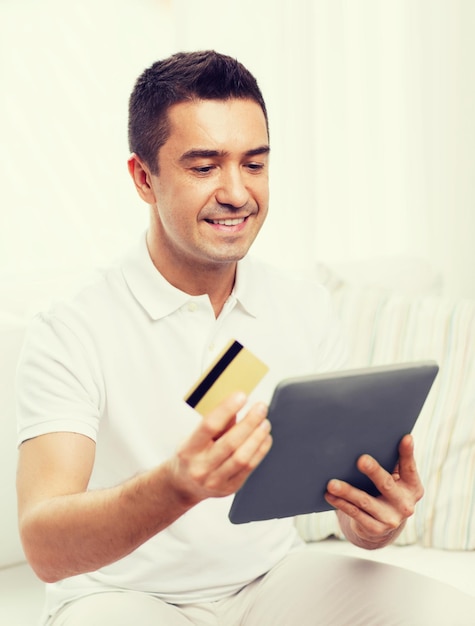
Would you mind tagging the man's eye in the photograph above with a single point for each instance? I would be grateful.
(255, 167)
(203, 169)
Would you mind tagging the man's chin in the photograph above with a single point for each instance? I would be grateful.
(234, 256)
(230, 253)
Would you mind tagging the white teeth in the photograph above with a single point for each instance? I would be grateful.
(228, 222)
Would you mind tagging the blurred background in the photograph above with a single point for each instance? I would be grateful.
(371, 113)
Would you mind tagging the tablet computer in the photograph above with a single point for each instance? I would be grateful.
(321, 425)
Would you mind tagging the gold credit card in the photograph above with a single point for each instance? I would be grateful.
(235, 369)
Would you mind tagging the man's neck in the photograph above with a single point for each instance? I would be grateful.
(216, 283)
(217, 280)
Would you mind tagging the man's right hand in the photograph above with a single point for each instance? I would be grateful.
(68, 529)
(220, 454)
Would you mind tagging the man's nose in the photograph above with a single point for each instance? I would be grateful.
(232, 190)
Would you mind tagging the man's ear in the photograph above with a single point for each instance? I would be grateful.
(142, 177)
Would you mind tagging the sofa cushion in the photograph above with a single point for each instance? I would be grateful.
(386, 328)
(396, 274)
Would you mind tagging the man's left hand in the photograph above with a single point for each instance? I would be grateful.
(373, 522)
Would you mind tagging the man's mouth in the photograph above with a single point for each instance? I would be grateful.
(228, 222)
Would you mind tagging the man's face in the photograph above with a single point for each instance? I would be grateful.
(211, 194)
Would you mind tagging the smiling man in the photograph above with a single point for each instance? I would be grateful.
(209, 193)
(123, 489)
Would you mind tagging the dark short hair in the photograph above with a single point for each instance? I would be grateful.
(203, 75)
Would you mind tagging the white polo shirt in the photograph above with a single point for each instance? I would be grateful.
(114, 364)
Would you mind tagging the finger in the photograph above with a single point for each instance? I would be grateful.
(407, 464)
(360, 513)
(364, 525)
(374, 513)
(217, 422)
(261, 452)
(237, 479)
(243, 436)
(228, 426)
(227, 477)
(383, 480)
(233, 437)
(396, 471)
(250, 453)
(350, 498)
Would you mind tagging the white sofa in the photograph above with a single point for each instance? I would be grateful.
(390, 315)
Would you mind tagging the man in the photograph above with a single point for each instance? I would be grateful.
(123, 489)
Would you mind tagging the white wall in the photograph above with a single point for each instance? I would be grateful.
(66, 72)
(371, 109)
(396, 132)
(372, 127)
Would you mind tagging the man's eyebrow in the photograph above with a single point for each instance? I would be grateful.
(199, 153)
(257, 151)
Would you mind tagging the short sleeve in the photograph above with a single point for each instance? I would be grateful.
(59, 386)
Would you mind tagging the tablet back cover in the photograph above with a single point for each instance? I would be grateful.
(321, 425)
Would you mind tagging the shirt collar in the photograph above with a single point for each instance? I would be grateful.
(245, 289)
(159, 298)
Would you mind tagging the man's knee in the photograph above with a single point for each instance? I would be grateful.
(118, 609)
